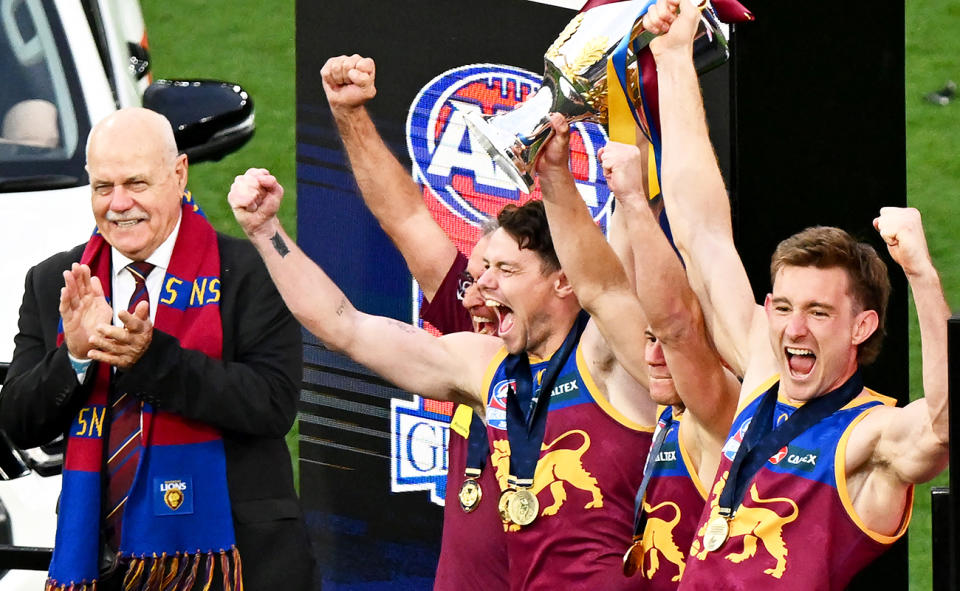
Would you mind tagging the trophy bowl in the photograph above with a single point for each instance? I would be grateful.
(575, 84)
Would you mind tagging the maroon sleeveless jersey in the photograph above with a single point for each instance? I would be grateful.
(591, 463)
(796, 527)
(673, 502)
(473, 550)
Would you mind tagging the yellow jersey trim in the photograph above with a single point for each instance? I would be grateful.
(601, 400)
(840, 474)
(865, 397)
(491, 370)
(685, 455)
(763, 387)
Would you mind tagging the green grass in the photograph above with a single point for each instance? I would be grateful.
(252, 42)
(933, 176)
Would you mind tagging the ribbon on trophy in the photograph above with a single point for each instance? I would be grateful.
(525, 428)
(624, 110)
(762, 440)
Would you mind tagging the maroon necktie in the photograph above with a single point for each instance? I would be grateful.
(124, 441)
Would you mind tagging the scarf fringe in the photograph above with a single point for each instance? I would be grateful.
(225, 568)
(208, 572)
(52, 585)
(175, 572)
(188, 582)
(238, 570)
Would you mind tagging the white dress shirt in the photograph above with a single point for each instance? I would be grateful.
(123, 283)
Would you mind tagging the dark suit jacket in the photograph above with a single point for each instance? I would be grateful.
(250, 395)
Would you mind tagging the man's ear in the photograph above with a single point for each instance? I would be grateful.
(180, 170)
(561, 285)
(864, 325)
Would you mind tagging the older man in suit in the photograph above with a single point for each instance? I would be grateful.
(163, 353)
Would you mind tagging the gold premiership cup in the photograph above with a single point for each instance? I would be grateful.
(575, 83)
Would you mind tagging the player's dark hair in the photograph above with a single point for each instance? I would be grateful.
(527, 224)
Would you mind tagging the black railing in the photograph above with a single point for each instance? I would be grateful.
(945, 505)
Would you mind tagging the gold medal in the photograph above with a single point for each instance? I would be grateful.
(523, 507)
(718, 529)
(633, 558)
(469, 495)
(502, 504)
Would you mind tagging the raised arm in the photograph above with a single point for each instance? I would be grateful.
(693, 189)
(445, 368)
(386, 187)
(913, 441)
(594, 271)
(618, 233)
(893, 448)
(707, 390)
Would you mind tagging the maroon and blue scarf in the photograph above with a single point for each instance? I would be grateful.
(177, 517)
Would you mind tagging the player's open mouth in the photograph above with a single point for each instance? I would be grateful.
(505, 317)
(483, 324)
(800, 361)
(123, 224)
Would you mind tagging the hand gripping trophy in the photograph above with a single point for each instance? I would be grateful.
(599, 69)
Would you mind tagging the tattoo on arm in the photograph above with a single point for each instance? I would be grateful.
(279, 245)
(341, 307)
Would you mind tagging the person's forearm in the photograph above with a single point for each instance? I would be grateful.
(312, 297)
(39, 404)
(620, 242)
(693, 187)
(933, 314)
(585, 256)
(699, 212)
(395, 200)
(387, 188)
(662, 288)
(41, 394)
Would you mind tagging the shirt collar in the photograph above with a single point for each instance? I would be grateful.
(160, 257)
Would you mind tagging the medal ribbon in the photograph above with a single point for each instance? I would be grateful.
(525, 429)
(761, 440)
(478, 448)
(639, 515)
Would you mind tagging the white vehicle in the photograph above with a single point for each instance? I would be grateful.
(65, 65)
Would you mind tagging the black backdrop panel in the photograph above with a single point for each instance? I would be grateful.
(819, 138)
(809, 128)
(365, 536)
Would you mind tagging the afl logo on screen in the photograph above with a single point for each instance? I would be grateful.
(455, 169)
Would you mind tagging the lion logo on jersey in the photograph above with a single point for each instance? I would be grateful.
(555, 469)
(752, 524)
(658, 540)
